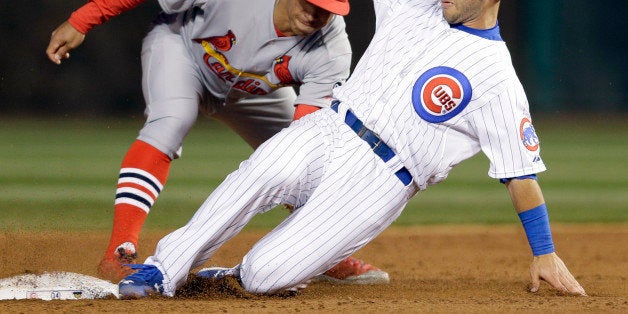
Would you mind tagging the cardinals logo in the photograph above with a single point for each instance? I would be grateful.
(222, 43)
(440, 94)
(282, 71)
(238, 79)
(528, 135)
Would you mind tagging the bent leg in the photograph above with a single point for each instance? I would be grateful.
(285, 169)
(256, 119)
(171, 90)
(357, 199)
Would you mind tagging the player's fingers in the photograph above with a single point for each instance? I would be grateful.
(51, 52)
(536, 282)
(55, 58)
(576, 289)
(535, 286)
(568, 280)
(553, 279)
(572, 285)
(57, 50)
(556, 283)
(62, 53)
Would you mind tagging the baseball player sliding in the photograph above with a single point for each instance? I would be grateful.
(237, 60)
(435, 87)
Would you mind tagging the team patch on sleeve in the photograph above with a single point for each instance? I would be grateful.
(440, 94)
(528, 135)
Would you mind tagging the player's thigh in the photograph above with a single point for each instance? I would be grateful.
(287, 168)
(171, 87)
(258, 118)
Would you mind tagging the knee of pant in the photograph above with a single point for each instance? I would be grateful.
(166, 134)
(273, 174)
(264, 279)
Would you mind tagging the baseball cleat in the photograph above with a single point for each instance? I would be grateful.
(126, 253)
(112, 267)
(146, 281)
(217, 272)
(352, 271)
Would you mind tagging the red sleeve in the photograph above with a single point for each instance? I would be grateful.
(303, 110)
(96, 12)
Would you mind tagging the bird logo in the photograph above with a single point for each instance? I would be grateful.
(282, 71)
(222, 43)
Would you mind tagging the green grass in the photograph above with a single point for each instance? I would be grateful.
(61, 174)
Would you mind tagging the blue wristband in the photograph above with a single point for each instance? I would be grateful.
(537, 227)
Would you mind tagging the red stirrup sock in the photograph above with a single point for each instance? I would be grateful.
(143, 174)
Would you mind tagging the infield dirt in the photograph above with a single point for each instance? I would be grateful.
(473, 269)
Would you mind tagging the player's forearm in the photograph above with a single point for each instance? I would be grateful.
(529, 203)
(97, 12)
(525, 194)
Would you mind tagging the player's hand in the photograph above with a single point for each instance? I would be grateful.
(550, 268)
(64, 39)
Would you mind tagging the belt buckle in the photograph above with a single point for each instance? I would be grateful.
(362, 131)
(367, 135)
(379, 142)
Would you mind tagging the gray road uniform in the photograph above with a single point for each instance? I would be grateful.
(226, 57)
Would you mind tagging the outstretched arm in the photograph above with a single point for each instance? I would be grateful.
(528, 200)
(71, 33)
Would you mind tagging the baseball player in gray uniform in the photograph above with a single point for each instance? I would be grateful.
(435, 87)
(237, 60)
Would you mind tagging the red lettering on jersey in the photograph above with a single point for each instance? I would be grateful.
(219, 70)
(226, 75)
(250, 86)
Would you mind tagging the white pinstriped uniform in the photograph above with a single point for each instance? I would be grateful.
(382, 98)
(435, 94)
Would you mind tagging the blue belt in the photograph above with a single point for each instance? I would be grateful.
(377, 145)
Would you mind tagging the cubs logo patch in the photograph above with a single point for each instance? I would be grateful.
(440, 94)
(528, 135)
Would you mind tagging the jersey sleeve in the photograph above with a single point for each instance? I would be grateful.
(384, 9)
(97, 12)
(507, 137)
(318, 86)
(325, 68)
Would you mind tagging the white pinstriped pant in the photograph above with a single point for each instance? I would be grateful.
(345, 196)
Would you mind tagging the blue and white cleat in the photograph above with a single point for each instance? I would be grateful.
(146, 281)
(218, 272)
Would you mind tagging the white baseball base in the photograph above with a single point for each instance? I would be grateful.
(56, 286)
